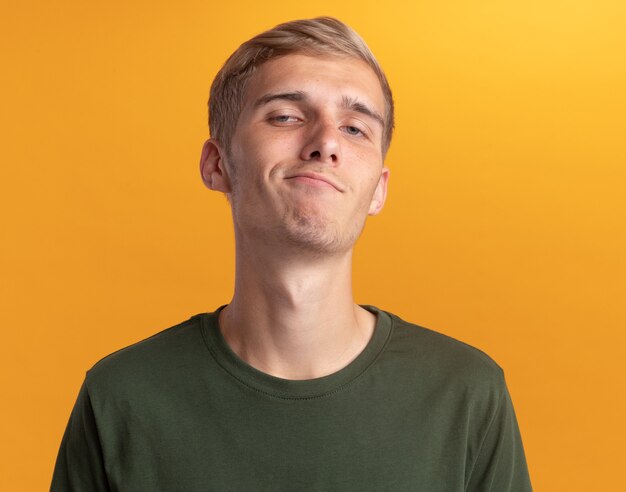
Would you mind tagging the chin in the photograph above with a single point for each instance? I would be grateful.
(320, 235)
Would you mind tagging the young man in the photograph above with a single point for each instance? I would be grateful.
(292, 386)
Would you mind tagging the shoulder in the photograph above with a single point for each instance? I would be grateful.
(155, 359)
(443, 360)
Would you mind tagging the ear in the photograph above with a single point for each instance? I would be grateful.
(380, 193)
(212, 167)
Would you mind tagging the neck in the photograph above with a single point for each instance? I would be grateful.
(295, 317)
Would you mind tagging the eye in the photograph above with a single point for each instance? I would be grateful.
(284, 118)
(353, 130)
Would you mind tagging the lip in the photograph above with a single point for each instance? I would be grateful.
(316, 177)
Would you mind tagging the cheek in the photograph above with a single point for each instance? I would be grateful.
(368, 165)
(282, 146)
(366, 153)
(270, 151)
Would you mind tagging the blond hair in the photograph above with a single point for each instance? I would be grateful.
(319, 36)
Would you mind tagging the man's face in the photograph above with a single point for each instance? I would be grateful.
(306, 159)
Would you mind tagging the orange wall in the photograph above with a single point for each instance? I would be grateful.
(504, 228)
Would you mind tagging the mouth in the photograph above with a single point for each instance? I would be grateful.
(315, 180)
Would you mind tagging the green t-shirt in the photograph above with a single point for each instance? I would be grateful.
(180, 411)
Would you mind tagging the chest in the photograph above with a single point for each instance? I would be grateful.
(241, 440)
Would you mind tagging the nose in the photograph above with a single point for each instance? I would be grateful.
(322, 143)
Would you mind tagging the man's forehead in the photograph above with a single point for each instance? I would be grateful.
(346, 81)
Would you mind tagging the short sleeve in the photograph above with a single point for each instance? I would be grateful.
(501, 464)
(79, 466)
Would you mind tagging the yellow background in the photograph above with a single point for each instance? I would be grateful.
(505, 225)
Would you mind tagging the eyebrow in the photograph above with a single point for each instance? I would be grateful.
(347, 102)
(353, 104)
(285, 96)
